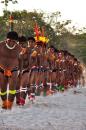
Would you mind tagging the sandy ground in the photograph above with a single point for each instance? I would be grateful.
(61, 111)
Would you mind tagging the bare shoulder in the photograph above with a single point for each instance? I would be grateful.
(2, 43)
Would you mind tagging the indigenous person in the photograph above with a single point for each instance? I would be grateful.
(26, 65)
(20, 81)
(9, 64)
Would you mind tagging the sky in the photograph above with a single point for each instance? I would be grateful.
(74, 10)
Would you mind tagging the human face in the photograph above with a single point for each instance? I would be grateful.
(51, 50)
(11, 42)
(31, 43)
(23, 44)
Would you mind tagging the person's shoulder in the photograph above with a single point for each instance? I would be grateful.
(2, 43)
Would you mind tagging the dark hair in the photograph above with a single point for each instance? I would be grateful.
(51, 46)
(22, 39)
(12, 35)
(31, 38)
(55, 50)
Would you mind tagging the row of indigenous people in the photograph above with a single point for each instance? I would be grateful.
(29, 67)
(45, 70)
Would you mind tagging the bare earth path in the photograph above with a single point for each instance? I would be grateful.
(61, 111)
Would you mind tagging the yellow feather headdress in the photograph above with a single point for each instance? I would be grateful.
(40, 35)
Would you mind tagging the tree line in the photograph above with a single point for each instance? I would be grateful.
(55, 30)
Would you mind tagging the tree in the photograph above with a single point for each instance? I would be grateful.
(24, 23)
(58, 25)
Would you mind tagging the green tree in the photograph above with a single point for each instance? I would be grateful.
(60, 37)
